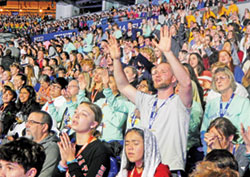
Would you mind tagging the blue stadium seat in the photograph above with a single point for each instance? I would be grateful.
(113, 167)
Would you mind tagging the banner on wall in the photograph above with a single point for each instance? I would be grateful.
(46, 37)
(124, 25)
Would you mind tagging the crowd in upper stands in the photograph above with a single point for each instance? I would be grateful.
(173, 91)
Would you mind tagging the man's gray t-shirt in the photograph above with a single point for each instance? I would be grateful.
(170, 127)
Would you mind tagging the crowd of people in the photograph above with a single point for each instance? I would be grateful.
(173, 93)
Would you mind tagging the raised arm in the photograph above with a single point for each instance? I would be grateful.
(245, 133)
(185, 91)
(122, 82)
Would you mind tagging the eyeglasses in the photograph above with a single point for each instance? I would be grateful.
(56, 86)
(72, 86)
(221, 78)
(141, 86)
(33, 122)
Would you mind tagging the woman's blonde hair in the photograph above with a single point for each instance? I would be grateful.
(226, 71)
(150, 52)
(218, 65)
(97, 53)
(87, 79)
(30, 74)
(93, 83)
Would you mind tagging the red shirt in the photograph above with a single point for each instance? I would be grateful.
(161, 171)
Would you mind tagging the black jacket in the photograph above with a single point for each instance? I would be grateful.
(8, 117)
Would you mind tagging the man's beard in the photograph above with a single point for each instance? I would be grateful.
(28, 136)
(162, 86)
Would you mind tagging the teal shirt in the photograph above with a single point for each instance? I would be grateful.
(69, 47)
(112, 120)
(124, 106)
(59, 115)
(238, 112)
(88, 43)
(118, 34)
(146, 30)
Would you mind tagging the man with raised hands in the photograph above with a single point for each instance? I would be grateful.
(165, 114)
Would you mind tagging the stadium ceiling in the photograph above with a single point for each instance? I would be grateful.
(86, 4)
(98, 3)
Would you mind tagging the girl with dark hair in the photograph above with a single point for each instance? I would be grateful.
(26, 103)
(141, 156)
(196, 82)
(204, 76)
(196, 63)
(7, 109)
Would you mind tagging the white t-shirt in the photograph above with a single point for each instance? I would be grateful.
(170, 127)
(58, 102)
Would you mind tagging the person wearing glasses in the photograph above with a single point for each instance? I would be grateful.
(55, 97)
(38, 128)
(228, 105)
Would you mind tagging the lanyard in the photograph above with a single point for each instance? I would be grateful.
(234, 149)
(155, 110)
(93, 95)
(67, 119)
(105, 103)
(91, 138)
(223, 111)
(133, 118)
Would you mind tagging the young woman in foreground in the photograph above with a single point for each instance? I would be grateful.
(141, 156)
(87, 157)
